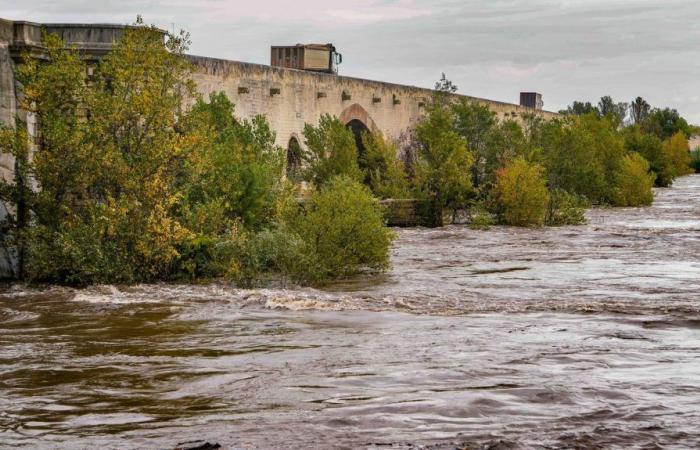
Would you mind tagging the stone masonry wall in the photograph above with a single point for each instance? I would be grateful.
(290, 98)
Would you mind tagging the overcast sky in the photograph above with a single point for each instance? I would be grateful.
(565, 49)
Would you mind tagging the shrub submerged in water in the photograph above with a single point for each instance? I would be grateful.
(566, 208)
(339, 231)
(634, 182)
(520, 194)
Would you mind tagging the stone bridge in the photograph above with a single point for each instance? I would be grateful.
(289, 98)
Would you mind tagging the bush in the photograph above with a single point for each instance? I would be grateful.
(277, 251)
(634, 182)
(336, 233)
(566, 209)
(342, 227)
(520, 194)
(481, 219)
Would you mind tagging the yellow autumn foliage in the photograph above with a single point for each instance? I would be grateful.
(521, 193)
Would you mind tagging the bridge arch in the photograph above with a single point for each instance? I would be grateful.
(357, 112)
(358, 120)
(294, 160)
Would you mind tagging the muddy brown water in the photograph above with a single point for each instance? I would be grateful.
(575, 337)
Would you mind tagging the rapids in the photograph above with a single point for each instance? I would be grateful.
(573, 337)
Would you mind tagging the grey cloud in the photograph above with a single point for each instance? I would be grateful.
(568, 49)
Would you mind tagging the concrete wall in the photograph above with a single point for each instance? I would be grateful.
(290, 98)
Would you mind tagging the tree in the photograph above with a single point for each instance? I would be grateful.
(634, 182)
(445, 85)
(385, 173)
(135, 108)
(506, 141)
(581, 155)
(237, 170)
(640, 110)
(331, 151)
(474, 122)
(443, 163)
(520, 194)
(581, 109)
(664, 123)
(617, 112)
(677, 152)
(107, 160)
(650, 147)
(695, 160)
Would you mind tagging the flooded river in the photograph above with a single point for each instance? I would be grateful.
(577, 337)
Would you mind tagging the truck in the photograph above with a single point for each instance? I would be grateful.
(312, 57)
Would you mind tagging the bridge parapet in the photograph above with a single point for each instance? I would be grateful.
(302, 97)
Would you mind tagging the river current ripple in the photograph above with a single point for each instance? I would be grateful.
(560, 338)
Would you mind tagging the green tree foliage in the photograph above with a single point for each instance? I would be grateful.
(520, 195)
(639, 110)
(695, 160)
(615, 112)
(236, 173)
(339, 231)
(104, 165)
(342, 225)
(664, 123)
(475, 122)
(227, 186)
(581, 109)
(634, 182)
(443, 162)
(445, 85)
(606, 107)
(582, 155)
(565, 208)
(651, 148)
(385, 173)
(506, 141)
(677, 151)
(331, 151)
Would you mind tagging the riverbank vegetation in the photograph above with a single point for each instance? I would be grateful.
(525, 171)
(134, 177)
(125, 185)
